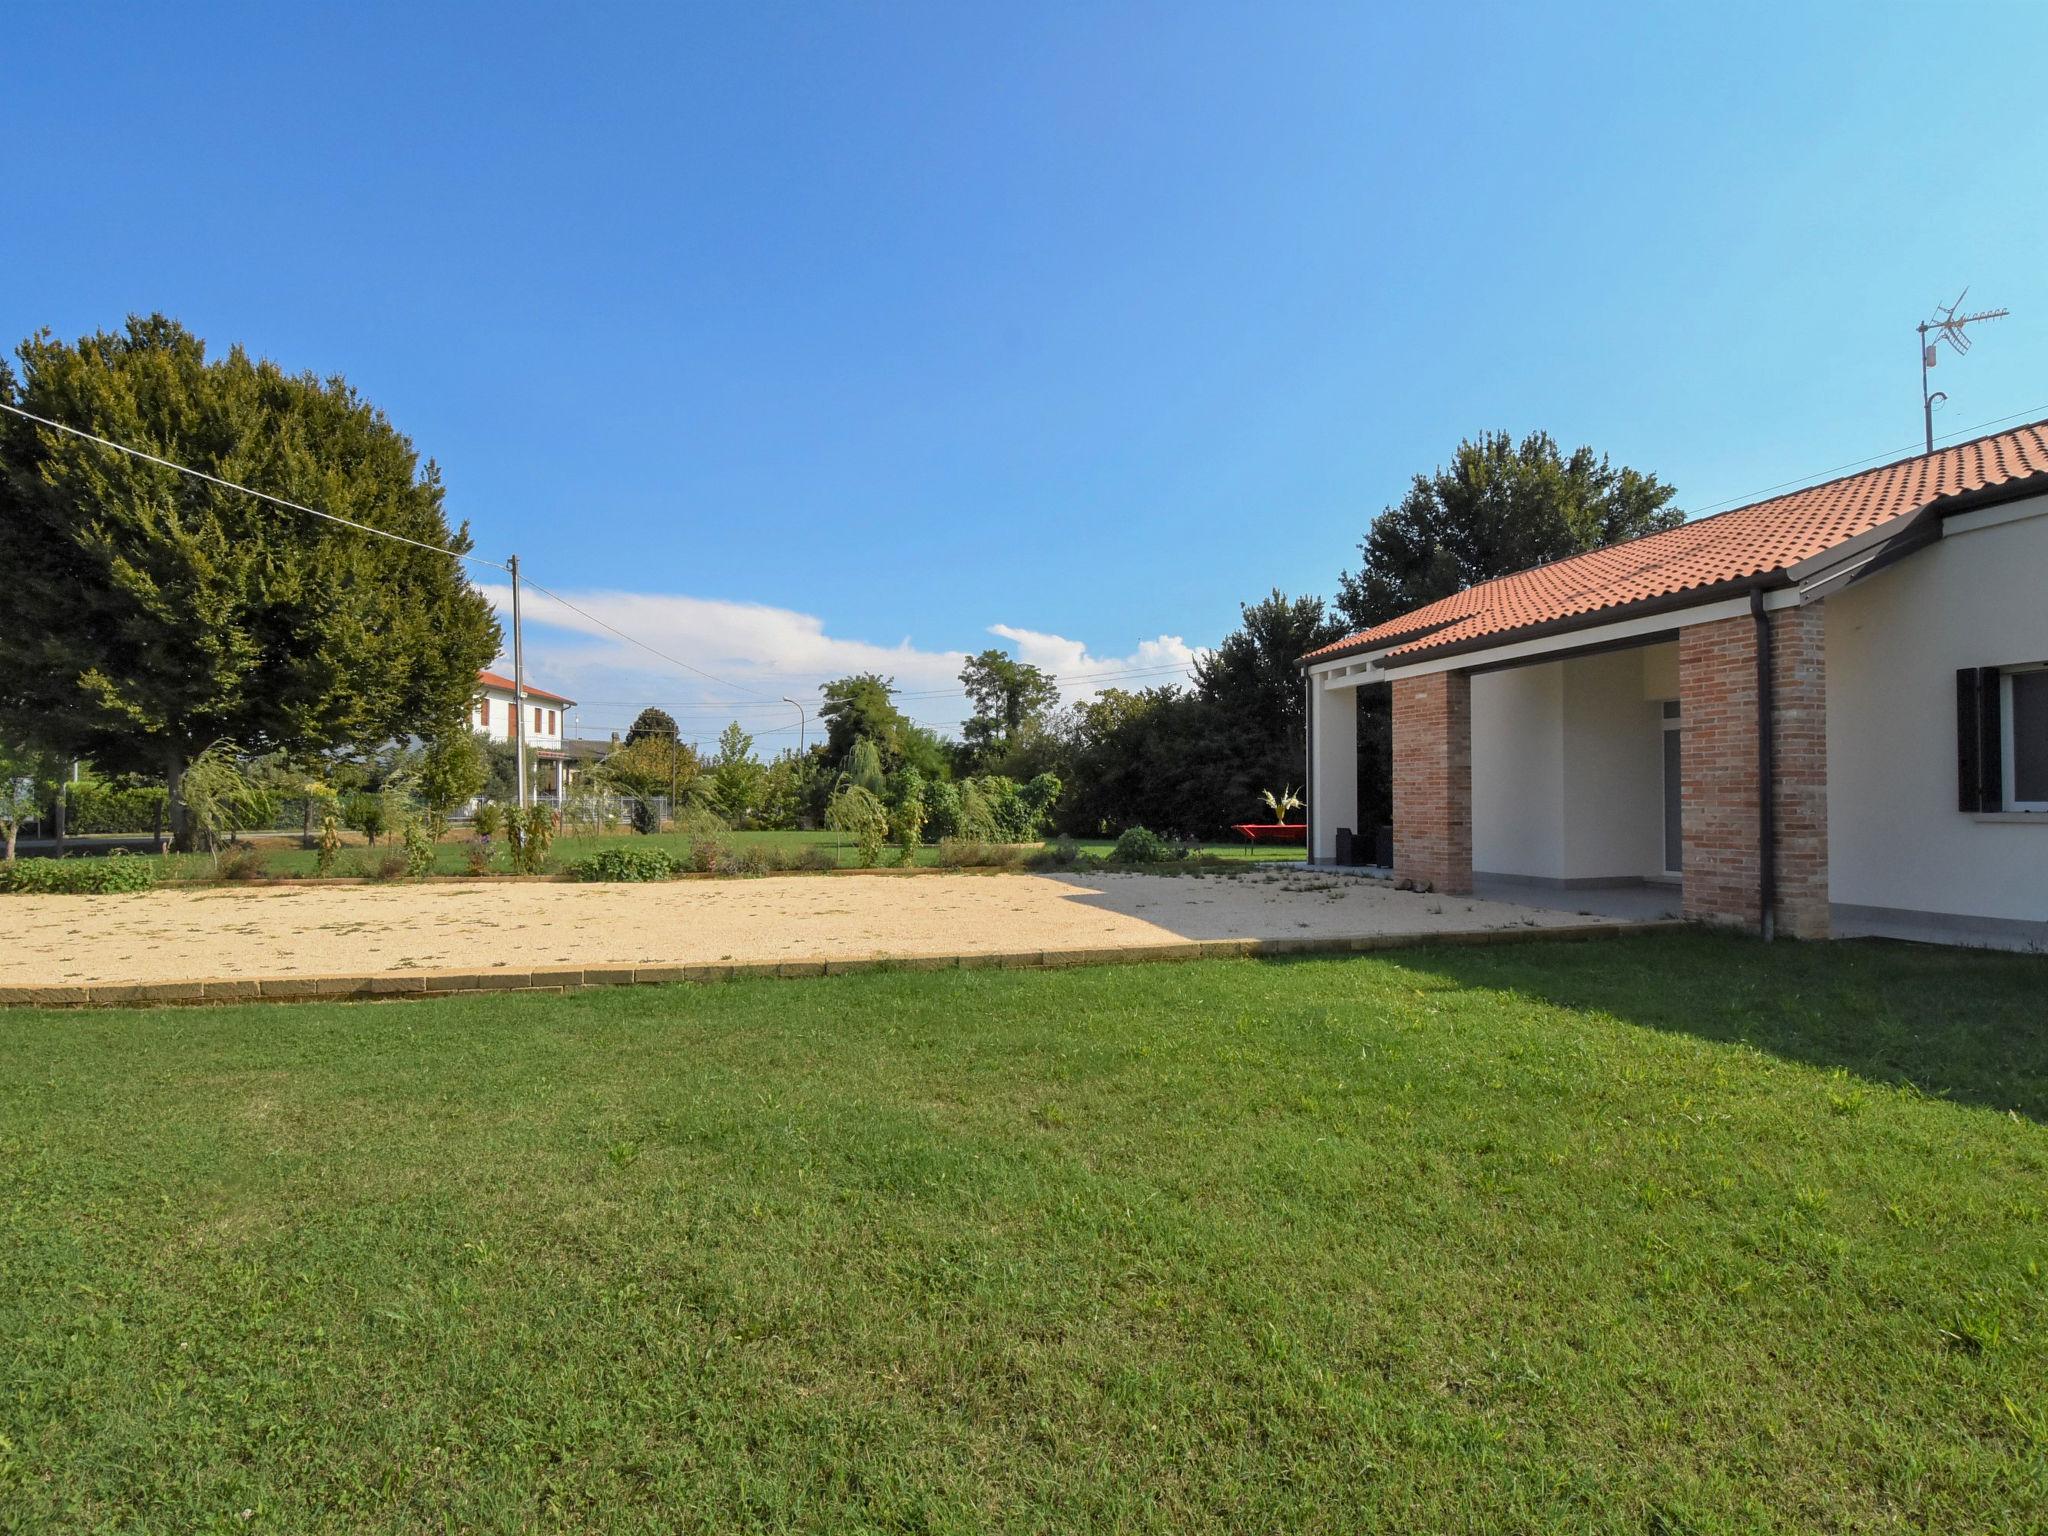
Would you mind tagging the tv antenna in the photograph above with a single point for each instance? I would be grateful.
(1947, 325)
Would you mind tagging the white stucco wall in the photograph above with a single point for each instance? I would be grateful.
(1567, 766)
(499, 726)
(1333, 767)
(1979, 597)
(1614, 767)
(1517, 772)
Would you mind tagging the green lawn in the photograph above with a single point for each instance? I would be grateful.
(452, 857)
(1680, 1234)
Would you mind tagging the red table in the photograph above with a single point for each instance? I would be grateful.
(1273, 831)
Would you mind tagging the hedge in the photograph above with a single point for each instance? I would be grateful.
(79, 876)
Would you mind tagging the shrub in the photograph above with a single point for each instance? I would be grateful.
(532, 833)
(977, 853)
(1060, 853)
(754, 859)
(695, 821)
(489, 820)
(626, 864)
(239, 861)
(705, 851)
(114, 873)
(387, 865)
(479, 856)
(328, 849)
(1139, 846)
(418, 840)
(364, 812)
(976, 822)
(815, 856)
(941, 810)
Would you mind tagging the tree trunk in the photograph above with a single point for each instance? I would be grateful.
(174, 801)
(12, 828)
(59, 820)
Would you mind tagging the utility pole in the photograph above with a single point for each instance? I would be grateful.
(1947, 326)
(518, 685)
(801, 720)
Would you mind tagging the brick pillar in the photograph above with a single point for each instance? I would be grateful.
(1799, 768)
(1433, 781)
(1718, 715)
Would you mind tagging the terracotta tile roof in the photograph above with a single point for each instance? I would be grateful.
(498, 680)
(1748, 544)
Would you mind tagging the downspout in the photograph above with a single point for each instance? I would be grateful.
(1766, 796)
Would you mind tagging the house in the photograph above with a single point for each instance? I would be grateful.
(1826, 713)
(494, 710)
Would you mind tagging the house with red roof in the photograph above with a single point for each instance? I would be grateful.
(1826, 713)
(495, 708)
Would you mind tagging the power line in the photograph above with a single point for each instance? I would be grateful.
(200, 474)
(1911, 450)
(606, 625)
(381, 533)
(673, 661)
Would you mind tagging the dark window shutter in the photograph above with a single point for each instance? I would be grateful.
(1980, 769)
(1990, 741)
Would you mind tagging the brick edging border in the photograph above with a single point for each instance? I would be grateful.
(576, 978)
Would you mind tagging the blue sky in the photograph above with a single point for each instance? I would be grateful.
(796, 339)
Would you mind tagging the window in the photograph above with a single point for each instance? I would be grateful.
(1674, 791)
(552, 717)
(2025, 714)
(2002, 738)
(536, 720)
(483, 713)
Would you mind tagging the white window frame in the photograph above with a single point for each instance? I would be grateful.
(2006, 723)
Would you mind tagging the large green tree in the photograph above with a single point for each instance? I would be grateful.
(149, 614)
(861, 706)
(1251, 684)
(652, 722)
(1498, 507)
(1011, 698)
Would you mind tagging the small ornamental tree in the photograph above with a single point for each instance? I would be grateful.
(221, 798)
(652, 766)
(855, 810)
(26, 780)
(736, 779)
(864, 768)
(453, 771)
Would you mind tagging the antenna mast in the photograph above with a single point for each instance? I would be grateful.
(1947, 325)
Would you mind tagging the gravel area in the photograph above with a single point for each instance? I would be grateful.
(288, 931)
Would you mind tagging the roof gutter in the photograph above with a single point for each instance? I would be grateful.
(1664, 602)
(1915, 532)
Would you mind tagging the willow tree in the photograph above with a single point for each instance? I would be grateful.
(149, 614)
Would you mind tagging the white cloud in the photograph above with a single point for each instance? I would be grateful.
(1083, 675)
(755, 654)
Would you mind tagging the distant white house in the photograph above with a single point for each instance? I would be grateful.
(493, 713)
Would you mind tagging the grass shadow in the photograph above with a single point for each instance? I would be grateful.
(1969, 1026)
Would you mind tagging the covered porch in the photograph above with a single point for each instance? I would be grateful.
(1620, 775)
